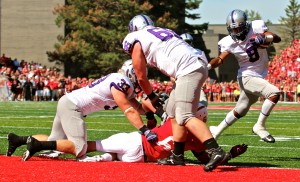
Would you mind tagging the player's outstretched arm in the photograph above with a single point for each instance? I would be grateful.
(215, 62)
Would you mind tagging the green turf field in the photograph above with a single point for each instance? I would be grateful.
(27, 118)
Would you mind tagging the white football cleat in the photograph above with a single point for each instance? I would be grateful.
(96, 158)
(53, 154)
(262, 132)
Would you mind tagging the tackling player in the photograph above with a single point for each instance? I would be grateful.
(133, 147)
(189, 39)
(164, 50)
(69, 130)
(246, 41)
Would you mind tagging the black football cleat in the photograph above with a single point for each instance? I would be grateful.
(13, 143)
(33, 146)
(217, 157)
(173, 160)
(269, 139)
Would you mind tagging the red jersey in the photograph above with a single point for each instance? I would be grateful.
(165, 144)
(53, 83)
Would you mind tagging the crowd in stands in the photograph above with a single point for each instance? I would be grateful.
(35, 82)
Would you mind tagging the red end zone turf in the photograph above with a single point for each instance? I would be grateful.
(39, 169)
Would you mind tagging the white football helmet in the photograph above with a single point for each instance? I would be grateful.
(139, 22)
(187, 37)
(127, 70)
(201, 112)
(237, 24)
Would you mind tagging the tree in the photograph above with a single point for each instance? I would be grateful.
(94, 31)
(291, 28)
(253, 15)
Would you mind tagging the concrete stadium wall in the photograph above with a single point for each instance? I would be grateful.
(28, 29)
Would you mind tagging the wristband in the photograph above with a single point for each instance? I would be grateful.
(151, 96)
(208, 66)
(221, 60)
(143, 129)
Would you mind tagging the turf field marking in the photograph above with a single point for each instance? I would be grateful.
(250, 146)
(264, 147)
(48, 128)
(287, 138)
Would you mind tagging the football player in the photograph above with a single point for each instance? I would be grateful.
(164, 50)
(246, 41)
(189, 39)
(133, 147)
(69, 130)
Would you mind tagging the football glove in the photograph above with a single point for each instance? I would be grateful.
(259, 39)
(238, 150)
(164, 118)
(150, 135)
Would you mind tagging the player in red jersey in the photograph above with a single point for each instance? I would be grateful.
(133, 147)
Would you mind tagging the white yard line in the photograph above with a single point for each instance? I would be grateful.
(48, 128)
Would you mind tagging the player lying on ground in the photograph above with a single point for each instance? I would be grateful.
(133, 147)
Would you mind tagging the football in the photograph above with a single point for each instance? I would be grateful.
(261, 46)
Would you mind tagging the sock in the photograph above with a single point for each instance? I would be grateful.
(106, 157)
(211, 143)
(178, 148)
(21, 140)
(265, 112)
(229, 120)
(48, 145)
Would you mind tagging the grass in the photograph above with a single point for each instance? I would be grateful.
(27, 118)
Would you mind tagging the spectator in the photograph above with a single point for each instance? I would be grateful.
(62, 85)
(16, 89)
(27, 89)
(53, 84)
(39, 89)
(33, 90)
(46, 90)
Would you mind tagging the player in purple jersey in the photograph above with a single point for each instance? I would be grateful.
(164, 50)
(247, 41)
(68, 133)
